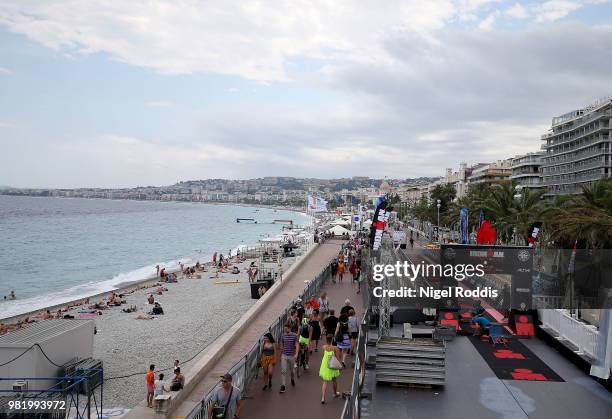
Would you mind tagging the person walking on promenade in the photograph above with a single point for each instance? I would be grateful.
(315, 324)
(330, 323)
(334, 270)
(343, 332)
(294, 321)
(325, 372)
(289, 352)
(226, 401)
(215, 258)
(347, 307)
(353, 325)
(267, 359)
(340, 271)
(323, 305)
(150, 385)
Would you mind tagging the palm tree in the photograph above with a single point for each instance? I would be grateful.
(586, 217)
(511, 215)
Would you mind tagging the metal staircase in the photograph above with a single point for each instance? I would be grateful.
(410, 361)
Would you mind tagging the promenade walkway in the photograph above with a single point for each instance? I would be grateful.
(304, 400)
(293, 286)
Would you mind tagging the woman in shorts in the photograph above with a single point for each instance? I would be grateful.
(267, 358)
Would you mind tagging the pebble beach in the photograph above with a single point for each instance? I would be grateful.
(196, 311)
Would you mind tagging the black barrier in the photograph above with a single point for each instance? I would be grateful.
(516, 261)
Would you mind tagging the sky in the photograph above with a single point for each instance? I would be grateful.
(148, 92)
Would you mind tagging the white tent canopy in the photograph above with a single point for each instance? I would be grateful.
(340, 222)
(339, 231)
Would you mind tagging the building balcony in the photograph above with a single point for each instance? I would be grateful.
(563, 142)
(581, 123)
(572, 168)
(568, 180)
(600, 140)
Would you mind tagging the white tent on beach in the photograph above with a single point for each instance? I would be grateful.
(339, 231)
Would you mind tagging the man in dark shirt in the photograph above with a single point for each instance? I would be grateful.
(299, 308)
(330, 323)
(294, 321)
(347, 307)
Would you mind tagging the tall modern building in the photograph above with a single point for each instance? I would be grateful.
(526, 170)
(578, 149)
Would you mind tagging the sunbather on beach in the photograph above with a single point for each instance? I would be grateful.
(144, 317)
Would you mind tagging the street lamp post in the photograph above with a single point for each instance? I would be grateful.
(518, 196)
(438, 205)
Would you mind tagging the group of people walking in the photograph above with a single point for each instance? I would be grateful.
(306, 326)
(348, 262)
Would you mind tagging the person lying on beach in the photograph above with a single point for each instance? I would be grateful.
(144, 317)
(130, 309)
(47, 315)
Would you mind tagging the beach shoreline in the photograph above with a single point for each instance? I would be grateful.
(127, 286)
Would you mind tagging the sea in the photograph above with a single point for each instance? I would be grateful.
(55, 250)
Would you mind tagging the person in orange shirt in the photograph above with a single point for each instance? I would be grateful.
(150, 385)
(340, 271)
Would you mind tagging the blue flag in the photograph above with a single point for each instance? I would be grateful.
(463, 225)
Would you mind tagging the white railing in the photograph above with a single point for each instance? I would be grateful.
(585, 337)
(547, 301)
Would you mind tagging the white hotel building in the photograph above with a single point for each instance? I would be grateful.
(578, 149)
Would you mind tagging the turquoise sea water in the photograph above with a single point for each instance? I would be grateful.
(54, 250)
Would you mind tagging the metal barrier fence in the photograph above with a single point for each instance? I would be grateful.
(247, 369)
(351, 405)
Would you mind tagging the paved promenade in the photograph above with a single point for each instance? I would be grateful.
(293, 286)
(304, 400)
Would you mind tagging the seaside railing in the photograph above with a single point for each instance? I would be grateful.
(351, 404)
(247, 369)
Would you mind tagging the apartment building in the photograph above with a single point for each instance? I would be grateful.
(527, 170)
(578, 149)
(490, 173)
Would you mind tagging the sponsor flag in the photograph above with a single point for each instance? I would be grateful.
(463, 225)
(379, 223)
(320, 205)
(354, 200)
(312, 205)
(532, 234)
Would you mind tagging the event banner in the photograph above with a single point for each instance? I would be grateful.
(506, 277)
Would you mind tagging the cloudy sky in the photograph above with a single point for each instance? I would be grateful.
(145, 92)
